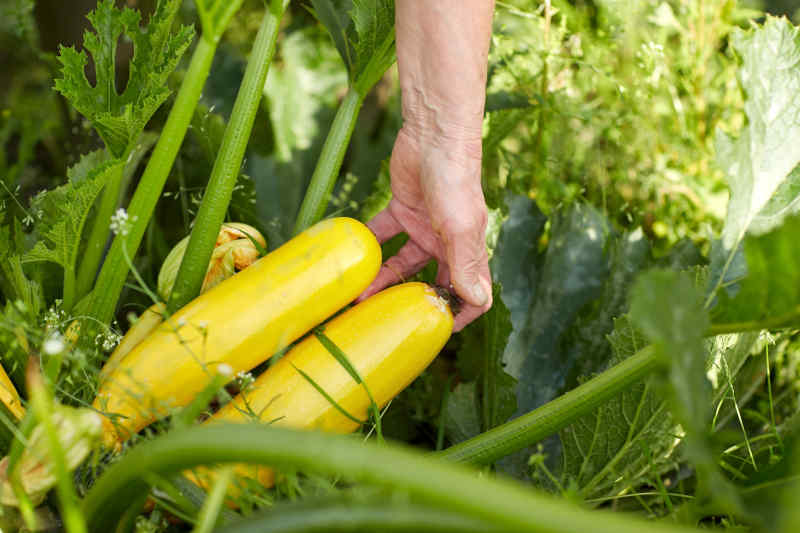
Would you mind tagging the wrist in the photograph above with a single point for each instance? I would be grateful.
(430, 119)
(442, 50)
(456, 148)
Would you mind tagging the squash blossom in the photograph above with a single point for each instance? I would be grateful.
(234, 250)
(78, 430)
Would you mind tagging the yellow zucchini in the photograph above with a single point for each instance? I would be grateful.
(9, 396)
(233, 252)
(390, 338)
(240, 323)
(140, 330)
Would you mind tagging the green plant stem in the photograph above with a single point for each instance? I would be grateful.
(330, 162)
(18, 446)
(42, 404)
(214, 501)
(114, 272)
(226, 168)
(555, 415)
(338, 517)
(68, 293)
(100, 232)
(503, 503)
(788, 319)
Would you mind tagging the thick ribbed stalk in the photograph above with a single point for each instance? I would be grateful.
(358, 516)
(218, 193)
(100, 232)
(115, 269)
(555, 415)
(330, 162)
(68, 290)
(503, 503)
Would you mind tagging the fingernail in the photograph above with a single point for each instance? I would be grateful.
(479, 295)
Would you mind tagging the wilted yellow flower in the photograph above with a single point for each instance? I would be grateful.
(78, 431)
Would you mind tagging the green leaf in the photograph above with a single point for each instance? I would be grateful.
(505, 100)
(515, 264)
(574, 269)
(333, 15)
(668, 308)
(328, 397)
(480, 358)
(344, 361)
(586, 343)
(461, 419)
(16, 320)
(14, 284)
(374, 43)
(630, 439)
(769, 295)
(365, 41)
(480, 361)
(761, 164)
(64, 213)
(119, 118)
(339, 355)
(625, 441)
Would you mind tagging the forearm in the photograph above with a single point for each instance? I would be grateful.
(442, 49)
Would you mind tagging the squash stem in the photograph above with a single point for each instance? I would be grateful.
(358, 516)
(68, 292)
(555, 415)
(503, 503)
(226, 168)
(330, 160)
(559, 413)
(99, 234)
(114, 272)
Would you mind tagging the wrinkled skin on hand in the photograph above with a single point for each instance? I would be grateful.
(442, 50)
(437, 200)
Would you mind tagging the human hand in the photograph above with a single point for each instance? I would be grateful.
(442, 50)
(438, 201)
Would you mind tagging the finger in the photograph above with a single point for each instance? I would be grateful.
(468, 262)
(443, 275)
(405, 263)
(469, 312)
(384, 226)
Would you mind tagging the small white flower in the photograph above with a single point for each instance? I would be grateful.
(111, 340)
(244, 379)
(53, 345)
(225, 369)
(120, 222)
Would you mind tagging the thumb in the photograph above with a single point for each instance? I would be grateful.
(468, 263)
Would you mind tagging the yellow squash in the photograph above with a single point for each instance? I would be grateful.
(233, 252)
(9, 396)
(140, 330)
(389, 338)
(239, 323)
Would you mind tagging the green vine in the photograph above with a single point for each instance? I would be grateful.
(218, 193)
(453, 488)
